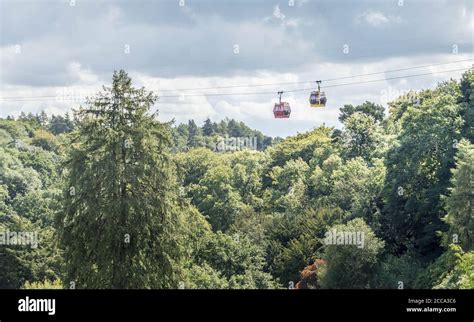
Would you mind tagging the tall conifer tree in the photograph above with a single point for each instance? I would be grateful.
(120, 218)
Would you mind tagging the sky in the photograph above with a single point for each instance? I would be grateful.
(63, 51)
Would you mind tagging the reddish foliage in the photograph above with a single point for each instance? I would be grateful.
(309, 275)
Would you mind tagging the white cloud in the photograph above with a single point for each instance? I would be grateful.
(83, 76)
(254, 110)
(176, 47)
(277, 13)
(373, 18)
(292, 22)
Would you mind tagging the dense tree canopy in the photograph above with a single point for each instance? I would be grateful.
(122, 200)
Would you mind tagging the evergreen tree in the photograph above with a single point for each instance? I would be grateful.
(119, 224)
(31, 118)
(194, 138)
(467, 104)
(60, 124)
(460, 203)
(69, 122)
(208, 128)
(42, 118)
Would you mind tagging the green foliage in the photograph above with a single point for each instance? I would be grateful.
(36, 260)
(467, 104)
(5, 137)
(44, 139)
(135, 203)
(17, 178)
(320, 181)
(288, 188)
(361, 137)
(350, 266)
(189, 136)
(460, 202)
(399, 272)
(237, 259)
(59, 124)
(356, 188)
(204, 277)
(44, 285)
(253, 225)
(418, 173)
(248, 168)
(296, 241)
(119, 224)
(27, 205)
(222, 186)
(216, 198)
(376, 112)
(462, 274)
(17, 129)
(194, 164)
(315, 145)
(430, 275)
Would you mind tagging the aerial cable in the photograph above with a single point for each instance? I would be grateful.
(45, 98)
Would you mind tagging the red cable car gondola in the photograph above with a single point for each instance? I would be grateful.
(281, 110)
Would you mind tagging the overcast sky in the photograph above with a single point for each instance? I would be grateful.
(68, 49)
